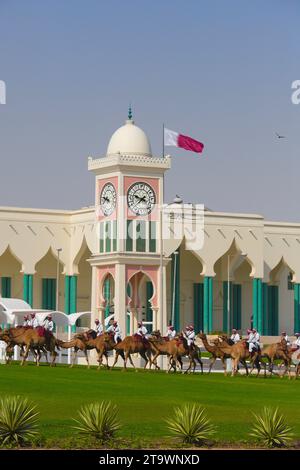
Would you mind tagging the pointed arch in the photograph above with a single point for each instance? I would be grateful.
(277, 270)
(84, 249)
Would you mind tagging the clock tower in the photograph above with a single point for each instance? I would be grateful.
(128, 266)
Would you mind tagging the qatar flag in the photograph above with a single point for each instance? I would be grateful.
(182, 141)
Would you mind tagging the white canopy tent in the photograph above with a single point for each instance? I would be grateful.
(73, 317)
(13, 310)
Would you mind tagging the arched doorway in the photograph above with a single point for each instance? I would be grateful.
(45, 283)
(140, 306)
(279, 300)
(234, 289)
(11, 278)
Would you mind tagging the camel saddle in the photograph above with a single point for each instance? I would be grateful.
(42, 332)
(141, 339)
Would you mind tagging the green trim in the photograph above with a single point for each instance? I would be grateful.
(177, 290)
(73, 294)
(107, 236)
(114, 234)
(28, 288)
(152, 236)
(6, 287)
(265, 328)
(67, 294)
(257, 307)
(208, 304)
(71, 297)
(198, 306)
(273, 296)
(48, 294)
(70, 294)
(149, 312)
(225, 300)
(129, 235)
(237, 306)
(296, 308)
(141, 236)
(106, 295)
(101, 242)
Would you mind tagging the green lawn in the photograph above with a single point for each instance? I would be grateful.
(145, 398)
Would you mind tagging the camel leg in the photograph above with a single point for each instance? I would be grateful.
(87, 358)
(25, 355)
(53, 355)
(179, 359)
(100, 358)
(146, 359)
(154, 360)
(224, 365)
(116, 359)
(74, 356)
(211, 363)
(200, 362)
(234, 367)
(106, 357)
(171, 364)
(127, 356)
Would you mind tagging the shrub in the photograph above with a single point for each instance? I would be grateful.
(18, 421)
(271, 429)
(190, 424)
(98, 420)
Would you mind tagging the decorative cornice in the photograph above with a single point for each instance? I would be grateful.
(132, 160)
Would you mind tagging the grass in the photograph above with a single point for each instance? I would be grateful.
(145, 399)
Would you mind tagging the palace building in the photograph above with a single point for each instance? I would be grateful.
(109, 258)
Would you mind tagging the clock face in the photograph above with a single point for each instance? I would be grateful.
(141, 198)
(108, 199)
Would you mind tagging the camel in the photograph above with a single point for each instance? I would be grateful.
(102, 344)
(239, 353)
(131, 345)
(277, 351)
(30, 339)
(175, 349)
(215, 351)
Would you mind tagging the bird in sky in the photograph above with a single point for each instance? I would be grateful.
(280, 136)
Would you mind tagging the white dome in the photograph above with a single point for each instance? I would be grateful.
(129, 140)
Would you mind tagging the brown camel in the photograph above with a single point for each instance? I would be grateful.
(131, 345)
(175, 349)
(215, 351)
(102, 344)
(239, 352)
(277, 351)
(30, 339)
(160, 347)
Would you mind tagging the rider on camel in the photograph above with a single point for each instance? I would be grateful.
(33, 321)
(26, 320)
(48, 323)
(286, 338)
(189, 335)
(116, 330)
(235, 337)
(253, 340)
(142, 330)
(98, 327)
(296, 343)
(171, 332)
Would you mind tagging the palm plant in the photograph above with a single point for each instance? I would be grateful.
(190, 424)
(271, 428)
(18, 421)
(98, 420)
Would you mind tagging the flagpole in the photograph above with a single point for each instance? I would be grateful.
(161, 303)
